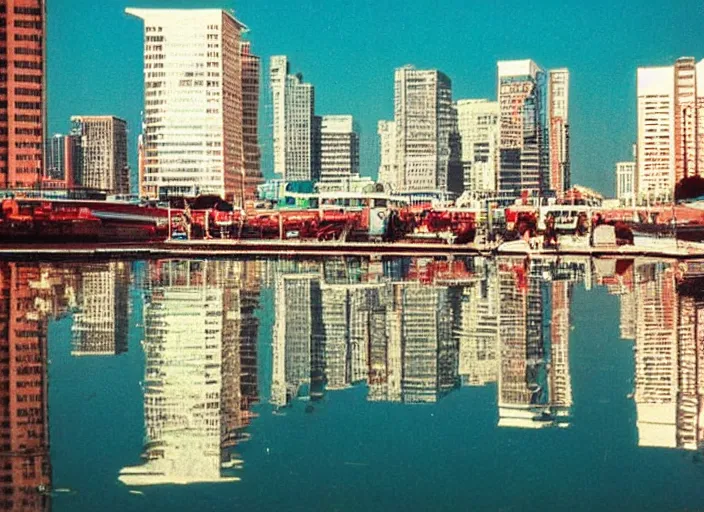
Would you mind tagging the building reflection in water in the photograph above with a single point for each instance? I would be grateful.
(409, 330)
(25, 470)
(666, 301)
(30, 296)
(101, 322)
(416, 329)
(200, 377)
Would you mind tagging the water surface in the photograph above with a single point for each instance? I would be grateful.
(352, 384)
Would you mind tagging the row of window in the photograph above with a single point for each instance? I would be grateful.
(29, 24)
(32, 11)
(28, 51)
(31, 79)
(28, 37)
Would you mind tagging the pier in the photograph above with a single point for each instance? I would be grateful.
(234, 248)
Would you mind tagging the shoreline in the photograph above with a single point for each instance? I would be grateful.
(235, 248)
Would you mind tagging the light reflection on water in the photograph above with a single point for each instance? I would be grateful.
(227, 344)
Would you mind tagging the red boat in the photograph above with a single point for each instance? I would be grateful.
(210, 217)
(77, 220)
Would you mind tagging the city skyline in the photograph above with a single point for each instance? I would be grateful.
(603, 81)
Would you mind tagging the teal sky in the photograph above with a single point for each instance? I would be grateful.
(349, 49)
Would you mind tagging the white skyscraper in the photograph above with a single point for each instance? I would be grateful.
(388, 167)
(626, 183)
(656, 127)
(478, 123)
(670, 127)
(294, 124)
(427, 143)
(339, 150)
(193, 102)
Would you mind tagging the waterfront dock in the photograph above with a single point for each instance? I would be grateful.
(233, 248)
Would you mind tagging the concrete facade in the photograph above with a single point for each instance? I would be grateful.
(478, 123)
(427, 143)
(23, 96)
(193, 135)
(102, 142)
(293, 103)
(339, 149)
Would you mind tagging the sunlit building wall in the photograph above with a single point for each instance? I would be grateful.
(388, 166)
(478, 124)
(656, 131)
(687, 141)
(102, 143)
(670, 132)
(23, 82)
(193, 130)
(626, 183)
(427, 141)
(339, 150)
(293, 104)
(523, 142)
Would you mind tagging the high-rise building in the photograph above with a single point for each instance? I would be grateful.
(478, 123)
(23, 93)
(55, 156)
(388, 167)
(559, 130)
(251, 69)
(523, 138)
(427, 143)
(103, 149)
(670, 132)
(293, 103)
(339, 150)
(193, 138)
(656, 126)
(687, 143)
(62, 156)
(626, 183)
(143, 189)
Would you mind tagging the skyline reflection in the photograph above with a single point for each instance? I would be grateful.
(405, 330)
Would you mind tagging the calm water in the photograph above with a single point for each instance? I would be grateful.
(352, 384)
